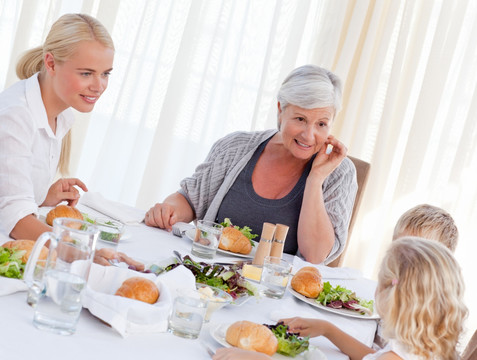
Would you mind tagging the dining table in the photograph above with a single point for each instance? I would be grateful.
(96, 339)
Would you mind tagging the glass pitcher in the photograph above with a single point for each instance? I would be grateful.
(55, 285)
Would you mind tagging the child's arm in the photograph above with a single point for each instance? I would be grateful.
(314, 327)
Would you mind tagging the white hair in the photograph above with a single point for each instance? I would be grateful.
(311, 87)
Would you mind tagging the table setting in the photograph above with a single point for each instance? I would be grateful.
(121, 327)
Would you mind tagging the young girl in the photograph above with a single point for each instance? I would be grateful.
(419, 298)
(71, 69)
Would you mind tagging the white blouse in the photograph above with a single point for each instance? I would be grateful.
(396, 348)
(29, 151)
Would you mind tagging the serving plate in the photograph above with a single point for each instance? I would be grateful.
(342, 311)
(313, 353)
(190, 234)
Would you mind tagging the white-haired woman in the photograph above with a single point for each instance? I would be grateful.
(281, 176)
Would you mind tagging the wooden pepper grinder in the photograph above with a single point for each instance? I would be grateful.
(265, 243)
(279, 240)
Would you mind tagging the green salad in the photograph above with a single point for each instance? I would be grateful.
(339, 297)
(289, 344)
(11, 264)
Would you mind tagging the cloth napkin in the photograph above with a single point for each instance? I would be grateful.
(327, 272)
(129, 316)
(9, 286)
(115, 210)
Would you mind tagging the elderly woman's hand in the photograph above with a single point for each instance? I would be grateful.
(324, 164)
(161, 216)
(104, 255)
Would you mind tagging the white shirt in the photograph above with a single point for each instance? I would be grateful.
(29, 151)
(395, 347)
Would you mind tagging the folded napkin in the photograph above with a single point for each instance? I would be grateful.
(9, 286)
(328, 272)
(129, 316)
(115, 210)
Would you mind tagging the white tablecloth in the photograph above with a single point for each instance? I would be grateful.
(95, 339)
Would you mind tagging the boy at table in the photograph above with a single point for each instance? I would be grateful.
(429, 222)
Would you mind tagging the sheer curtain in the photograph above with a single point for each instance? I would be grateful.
(187, 72)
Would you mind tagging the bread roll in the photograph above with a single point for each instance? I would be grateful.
(233, 240)
(307, 281)
(139, 288)
(63, 211)
(26, 245)
(251, 336)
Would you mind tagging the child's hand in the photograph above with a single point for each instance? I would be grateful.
(305, 326)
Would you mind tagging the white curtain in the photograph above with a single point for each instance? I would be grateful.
(187, 72)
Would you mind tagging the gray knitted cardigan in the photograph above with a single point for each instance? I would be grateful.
(212, 179)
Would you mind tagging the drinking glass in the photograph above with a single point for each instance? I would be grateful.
(110, 232)
(187, 314)
(207, 239)
(275, 275)
(63, 277)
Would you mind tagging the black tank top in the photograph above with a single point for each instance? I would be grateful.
(245, 207)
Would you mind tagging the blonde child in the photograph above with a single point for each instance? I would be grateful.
(418, 297)
(429, 222)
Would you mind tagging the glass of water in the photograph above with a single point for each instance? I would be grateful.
(207, 239)
(275, 275)
(187, 314)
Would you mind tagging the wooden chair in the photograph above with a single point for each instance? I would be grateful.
(470, 352)
(362, 173)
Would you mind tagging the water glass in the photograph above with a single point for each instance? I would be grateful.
(187, 314)
(110, 232)
(207, 239)
(275, 275)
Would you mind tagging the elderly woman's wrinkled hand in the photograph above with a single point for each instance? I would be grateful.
(327, 161)
(161, 216)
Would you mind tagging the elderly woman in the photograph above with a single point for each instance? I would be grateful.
(284, 176)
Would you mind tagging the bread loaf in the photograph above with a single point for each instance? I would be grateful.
(251, 336)
(139, 288)
(63, 211)
(233, 240)
(26, 245)
(307, 281)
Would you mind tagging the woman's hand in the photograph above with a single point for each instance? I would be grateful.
(104, 255)
(238, 354)
(175, 208)
(64, 190)
(324, 164)
(161, 215)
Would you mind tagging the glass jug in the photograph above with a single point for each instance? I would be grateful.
(55, 285)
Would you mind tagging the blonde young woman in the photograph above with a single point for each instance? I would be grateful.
(419, 298)
(70, 70)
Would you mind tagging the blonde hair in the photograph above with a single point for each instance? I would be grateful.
(429, 222)
(419, 298)
(61, 42)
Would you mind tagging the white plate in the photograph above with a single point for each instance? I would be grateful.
(313, 353)
(342, 311)
(191, 235)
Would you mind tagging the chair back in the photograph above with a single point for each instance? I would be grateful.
(470, 352)
(362, 173)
